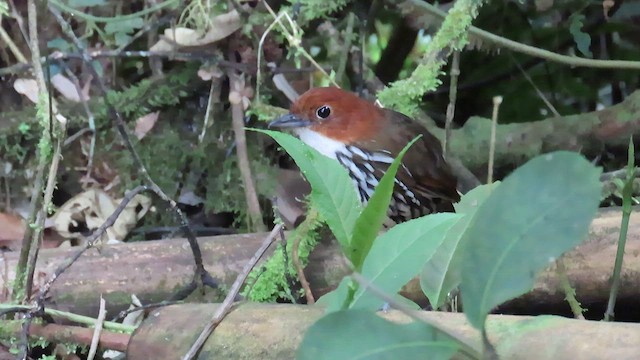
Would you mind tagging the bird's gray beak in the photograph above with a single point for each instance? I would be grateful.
(289, 121)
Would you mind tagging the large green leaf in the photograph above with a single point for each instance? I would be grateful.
(398, 255)
(370, 221)
(332, 192)
(339, 298)
(441, 274)
(363, 335)
(541, 210)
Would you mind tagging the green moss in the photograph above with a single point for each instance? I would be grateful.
(271, 282)
(403, 95)
(313, 9)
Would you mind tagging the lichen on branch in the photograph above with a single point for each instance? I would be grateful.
(403, 95)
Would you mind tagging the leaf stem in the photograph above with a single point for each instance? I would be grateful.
(622, 240)
(497, 100)
(569, 291)
(451, 108)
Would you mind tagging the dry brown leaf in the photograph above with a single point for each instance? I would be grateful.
(210, 72)
(28, 88)
(145, 123)
(222, 26)
(90, 209)
(66, 87)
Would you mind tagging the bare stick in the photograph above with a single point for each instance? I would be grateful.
(497, 100)
(237, 114)
(90, 118)
(12, 46)
(207, 114)
(124, 313)
(451, 108)
(98, 329)
(225, 307)
(300, 270)
(619, 174)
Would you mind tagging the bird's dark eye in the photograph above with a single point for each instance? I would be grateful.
(323, 112)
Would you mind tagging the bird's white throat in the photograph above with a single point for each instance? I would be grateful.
(326, 146)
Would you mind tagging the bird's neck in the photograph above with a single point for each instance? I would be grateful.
(325, 145)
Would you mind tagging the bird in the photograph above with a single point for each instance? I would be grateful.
(365, 139)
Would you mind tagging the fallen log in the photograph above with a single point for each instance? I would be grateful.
(154, 270)
(274, 331)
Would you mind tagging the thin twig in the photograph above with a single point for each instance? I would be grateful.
(237, 120)
(201, 273)
(80, 319)
(90, 118)
(12, 46)
(619, 174)
(569, 291)
(259, 58)
(300, 270)
(122, 314)
(15, 14)
(539, 92)
(171, 55)
(497, 100)
(95, 340)
(75, 136)
(207, 114)
(293, 39)
(451, 108)
(346, 46)
(225, 307)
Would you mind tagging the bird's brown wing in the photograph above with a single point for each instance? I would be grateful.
(424, 171)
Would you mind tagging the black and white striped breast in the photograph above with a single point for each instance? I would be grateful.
(367, 168)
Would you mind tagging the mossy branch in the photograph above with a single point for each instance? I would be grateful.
(402, 95)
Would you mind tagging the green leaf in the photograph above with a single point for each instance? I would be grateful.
(540, 211)
(59, 43)
(441, 274)
(332, 190)
(398, 255)
(124, 26)
(582, 39)
(365, 336)
(627, 189)
(339, 298)
(370, 220)
(121, 38)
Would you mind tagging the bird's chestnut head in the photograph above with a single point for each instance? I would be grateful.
(334, 113)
